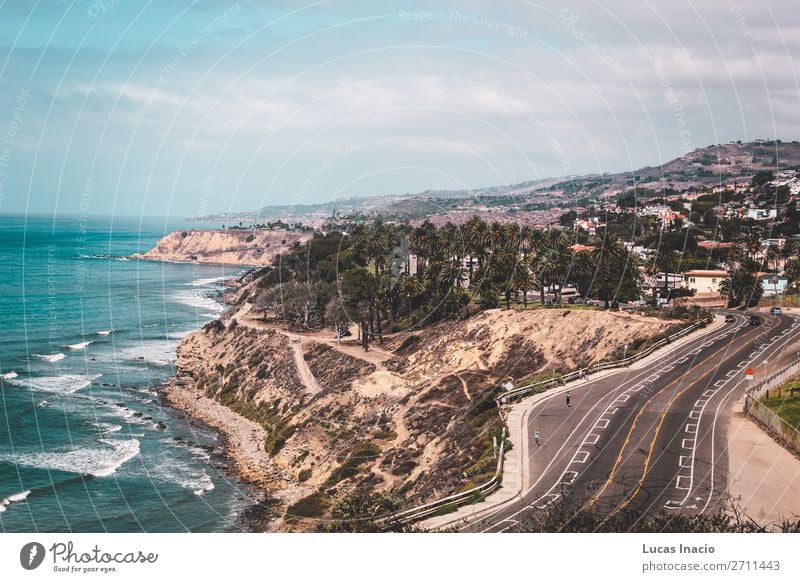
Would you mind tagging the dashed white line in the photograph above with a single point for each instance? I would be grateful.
(591, 439)
(581, 459)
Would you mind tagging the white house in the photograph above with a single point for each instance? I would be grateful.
(704, 282)
(773, 284)
(762, 213)
(672, 280)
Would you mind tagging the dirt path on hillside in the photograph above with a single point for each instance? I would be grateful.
(310, 382)
(375, 356)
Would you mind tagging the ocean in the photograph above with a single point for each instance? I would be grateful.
(85, 445)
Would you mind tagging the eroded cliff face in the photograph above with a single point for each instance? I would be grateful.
(414, 417)
(231, 247)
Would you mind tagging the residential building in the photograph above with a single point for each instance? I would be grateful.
(773, 284)
(704, 282)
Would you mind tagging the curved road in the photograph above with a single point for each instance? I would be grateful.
(648, 440)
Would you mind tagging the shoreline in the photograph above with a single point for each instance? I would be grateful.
(242, 438)
(256, 516)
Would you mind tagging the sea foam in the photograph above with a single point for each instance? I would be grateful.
(99, 462)
(64, 384)
(79, 346)
(51, 358)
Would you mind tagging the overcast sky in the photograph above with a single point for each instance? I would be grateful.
(175, 107)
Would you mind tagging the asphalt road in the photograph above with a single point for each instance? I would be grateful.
(652, 439)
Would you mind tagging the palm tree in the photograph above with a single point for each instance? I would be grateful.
(665, 261)
(608, 258)
(583, 271)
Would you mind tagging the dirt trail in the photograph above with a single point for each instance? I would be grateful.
(375, 356)
(310, 382)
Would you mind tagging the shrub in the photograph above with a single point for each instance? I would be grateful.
(314, 505)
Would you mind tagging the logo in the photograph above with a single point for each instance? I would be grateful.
(31, 555)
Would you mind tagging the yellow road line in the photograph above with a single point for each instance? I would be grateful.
(618, 460)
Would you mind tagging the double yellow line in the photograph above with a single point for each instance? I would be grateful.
(618, 460)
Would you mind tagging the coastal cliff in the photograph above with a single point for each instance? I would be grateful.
(312, 420)
(231, 247)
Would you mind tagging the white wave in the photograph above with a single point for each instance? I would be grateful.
(79, 346)
(179, 335)
(51, 358)
(107, 427)
(64, 384)
(104, 332)
(12, 499)
(174, 471)
(99, 462)
(209, 281)
(10, 376)
(151, 352)
(198, 300)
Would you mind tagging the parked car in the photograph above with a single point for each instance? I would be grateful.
(755, 320)
(776, 311)
(729, 318)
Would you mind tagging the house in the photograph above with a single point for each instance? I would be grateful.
(762, 213)
(773, 284)
(704, 282)
(670, 280)
(713, 244)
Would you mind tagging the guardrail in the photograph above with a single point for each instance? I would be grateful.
(457, 499)
(783, 432)
(523, 391)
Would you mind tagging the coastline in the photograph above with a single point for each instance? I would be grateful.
(242, 438)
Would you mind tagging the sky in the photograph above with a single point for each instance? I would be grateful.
(185, 108)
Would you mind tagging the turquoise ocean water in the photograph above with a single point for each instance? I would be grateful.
(84, 443)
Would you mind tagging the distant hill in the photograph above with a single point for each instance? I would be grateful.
(702, 168)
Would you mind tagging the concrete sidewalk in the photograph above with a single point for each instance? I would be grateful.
(764, 477)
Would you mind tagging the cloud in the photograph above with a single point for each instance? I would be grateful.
(259, 95)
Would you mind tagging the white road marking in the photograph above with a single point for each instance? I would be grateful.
(684, 461)
(623, 398)
(679, 484)
(591, 439)
(569, 477)
(583, 459)
(692, 428)
(695, 414)
(689, 445)
(602, 423)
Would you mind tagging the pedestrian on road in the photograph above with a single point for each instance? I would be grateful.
(567, 399)
(537, 437)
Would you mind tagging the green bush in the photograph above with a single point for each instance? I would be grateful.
(314, 505)
(361, 453)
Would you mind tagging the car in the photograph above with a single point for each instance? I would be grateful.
(776, 311)
(755, 320)
(729, 318)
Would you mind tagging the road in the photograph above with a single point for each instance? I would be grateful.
(648, 440)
